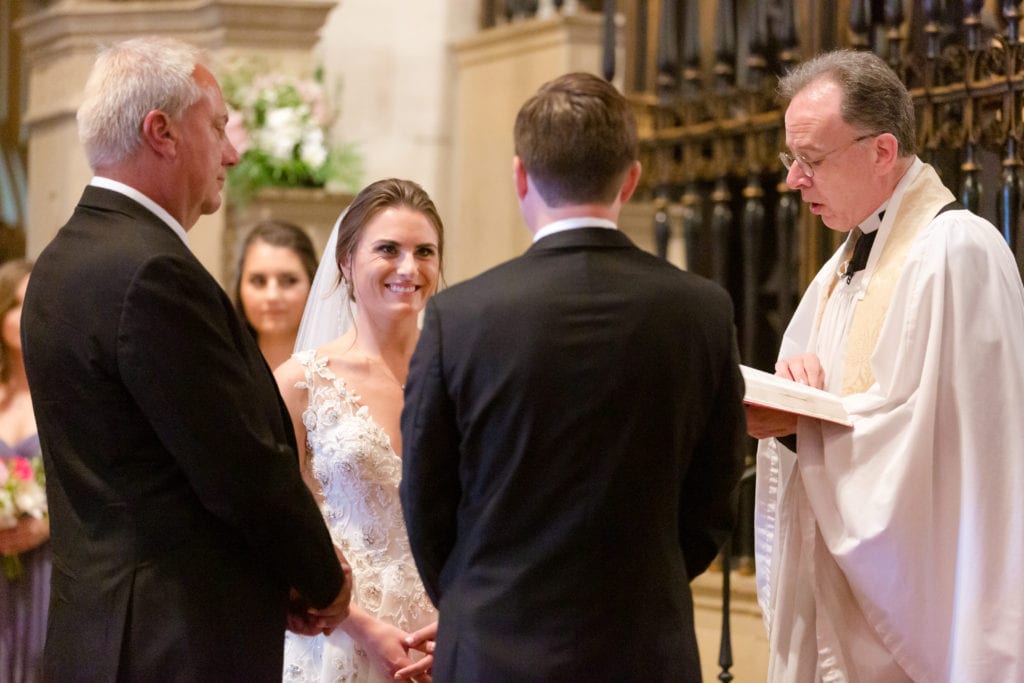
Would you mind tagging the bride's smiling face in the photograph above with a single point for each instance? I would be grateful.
(395, 266)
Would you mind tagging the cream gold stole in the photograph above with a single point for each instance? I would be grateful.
(921, 202)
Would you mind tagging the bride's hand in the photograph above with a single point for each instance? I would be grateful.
(422, 640)
(385, 647)
(418, 672)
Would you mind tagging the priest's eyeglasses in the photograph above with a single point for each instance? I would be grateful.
(807, 166)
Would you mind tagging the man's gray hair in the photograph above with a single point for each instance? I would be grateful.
(873, 98)
(129, 80)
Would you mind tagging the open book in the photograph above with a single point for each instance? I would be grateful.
(765, 389)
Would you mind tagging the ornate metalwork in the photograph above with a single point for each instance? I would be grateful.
(713, 128)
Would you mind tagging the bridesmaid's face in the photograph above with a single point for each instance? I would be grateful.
(394, 268)
(12, 319)
(273, 290)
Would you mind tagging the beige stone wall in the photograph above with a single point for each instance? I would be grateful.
(393, 64)
(498, 70)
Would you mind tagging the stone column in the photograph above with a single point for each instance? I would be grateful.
(60, 43)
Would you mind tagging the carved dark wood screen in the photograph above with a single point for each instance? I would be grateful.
(702, 74)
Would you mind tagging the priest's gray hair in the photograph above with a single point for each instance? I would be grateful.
(873, 101)
(129, 80)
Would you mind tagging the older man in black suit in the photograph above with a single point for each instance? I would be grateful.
(179, 518)
(572, 428)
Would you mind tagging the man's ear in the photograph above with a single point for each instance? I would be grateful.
(887, 152)
(630, 183)
(519, 177)
(159, 133)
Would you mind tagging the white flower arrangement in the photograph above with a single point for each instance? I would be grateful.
(280, 126)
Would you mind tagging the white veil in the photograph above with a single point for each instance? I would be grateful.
(328, 313)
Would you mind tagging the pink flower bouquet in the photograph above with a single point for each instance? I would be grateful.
(22, 492)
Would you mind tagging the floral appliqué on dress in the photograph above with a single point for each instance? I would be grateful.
(358, 473)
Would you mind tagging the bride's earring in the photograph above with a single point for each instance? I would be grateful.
(346, 281)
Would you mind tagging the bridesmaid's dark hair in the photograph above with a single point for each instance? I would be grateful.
(376, 197)
(11, 274)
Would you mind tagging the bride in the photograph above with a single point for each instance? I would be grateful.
(345, 398)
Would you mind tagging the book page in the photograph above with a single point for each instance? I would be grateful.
(765, 389)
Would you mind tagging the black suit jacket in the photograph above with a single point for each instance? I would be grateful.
(178, 515)
(572, 442)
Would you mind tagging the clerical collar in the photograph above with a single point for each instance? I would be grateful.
(863, 239)
(132, 193)
(874, 219)
(572, 224)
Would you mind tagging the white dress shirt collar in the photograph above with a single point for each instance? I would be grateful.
(573, 224)
(874, 220)
(132, 193)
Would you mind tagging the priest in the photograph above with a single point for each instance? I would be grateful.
(892, 550)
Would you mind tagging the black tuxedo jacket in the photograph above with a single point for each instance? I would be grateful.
(572, 441)
(178, 516)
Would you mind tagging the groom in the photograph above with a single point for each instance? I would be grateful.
(179, 519)
(573, 427)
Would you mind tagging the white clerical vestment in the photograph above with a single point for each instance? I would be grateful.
(894, 550)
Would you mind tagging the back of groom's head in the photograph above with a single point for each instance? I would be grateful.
(577, 139)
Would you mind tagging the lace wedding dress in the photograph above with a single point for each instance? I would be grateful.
(358, 472)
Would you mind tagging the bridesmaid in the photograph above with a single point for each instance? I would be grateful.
(275, 271)
(24, 599)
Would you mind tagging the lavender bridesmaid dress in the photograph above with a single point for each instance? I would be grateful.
(24, 601)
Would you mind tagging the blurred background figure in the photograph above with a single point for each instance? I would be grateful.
(25, 586)
(275, 270)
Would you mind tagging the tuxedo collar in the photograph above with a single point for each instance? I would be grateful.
(111, 200)
(134, 194)
(600, 237)
(572, 224)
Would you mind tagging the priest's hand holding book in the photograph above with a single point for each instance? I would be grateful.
(803, 369)
(774, 402)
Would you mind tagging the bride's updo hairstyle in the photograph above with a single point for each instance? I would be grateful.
(375, 198)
